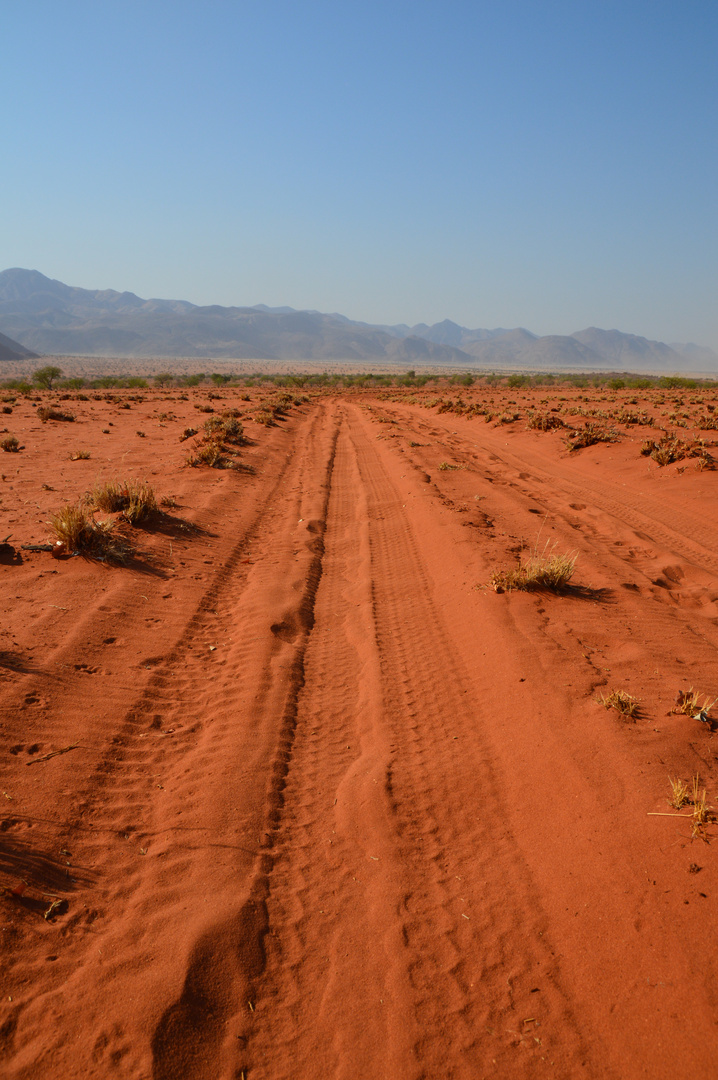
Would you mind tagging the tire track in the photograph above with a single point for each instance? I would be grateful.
(424, 920)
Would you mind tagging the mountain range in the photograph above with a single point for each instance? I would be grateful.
(47, 316)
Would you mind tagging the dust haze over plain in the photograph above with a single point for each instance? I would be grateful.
(545, 167)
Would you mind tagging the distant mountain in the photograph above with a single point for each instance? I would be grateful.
(13, 350)
(50, 317)
(698, 356)
(60, 319)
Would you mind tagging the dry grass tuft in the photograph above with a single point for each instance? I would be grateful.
(10, 444)
(134, 499)
(688, 703)
(621, 701)
(542, 570)
(80, 455)
(679, 793)
(209, 454)
(77, 530)
(702, 815)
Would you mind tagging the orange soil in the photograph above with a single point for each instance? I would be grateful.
(332, 810)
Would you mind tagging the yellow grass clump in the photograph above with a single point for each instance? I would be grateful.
(544, 569)
(135, 499)
(621, 701)
(78, 532)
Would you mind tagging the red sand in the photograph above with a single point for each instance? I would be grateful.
(334, 811)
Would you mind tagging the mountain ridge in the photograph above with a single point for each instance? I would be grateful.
(44, 315)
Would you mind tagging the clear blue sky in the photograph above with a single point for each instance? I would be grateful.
(545, 163)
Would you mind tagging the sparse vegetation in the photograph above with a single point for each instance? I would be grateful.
(688, 703)
(621, 701)
(208, 454)
(46, 412)
(544, 421)
(679, 793)
(670, 448)
(78, 531)
(10, 444)
(589, 435)
(225, 428)
(134, 499)
(80, 455)
(701, 809)
(543, 569)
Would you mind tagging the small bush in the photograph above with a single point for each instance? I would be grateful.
(10, 444)
(544, 422)
(45, 413)
(669, 449)
(224, 429)
(589, 436)
(208, 454)
(187, 433)
(266, 417)
(80, 455)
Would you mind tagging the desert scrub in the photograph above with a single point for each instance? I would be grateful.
(10, 444)
(544, 422)
(670, 448)
(543, 569)
(589, 436)
(134, 499)
(622, 702)
(46, 412)
(224, 428)
(80, 455)
(78, 532)
(208, 454)
(266, 417)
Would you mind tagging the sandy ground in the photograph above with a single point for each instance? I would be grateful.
(327, 806)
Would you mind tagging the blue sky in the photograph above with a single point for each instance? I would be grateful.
(545, 163)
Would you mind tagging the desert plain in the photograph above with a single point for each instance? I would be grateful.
(300, 788)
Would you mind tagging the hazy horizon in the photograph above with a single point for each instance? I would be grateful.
(541, 166)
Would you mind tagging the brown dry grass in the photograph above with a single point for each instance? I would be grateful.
(135, 499)
(621, 701)
(46, 412)
(589, 436)
(688, 702)
(679, 793)
(78, 531)
(543, 569)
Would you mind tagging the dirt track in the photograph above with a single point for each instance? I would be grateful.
(336, 812)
